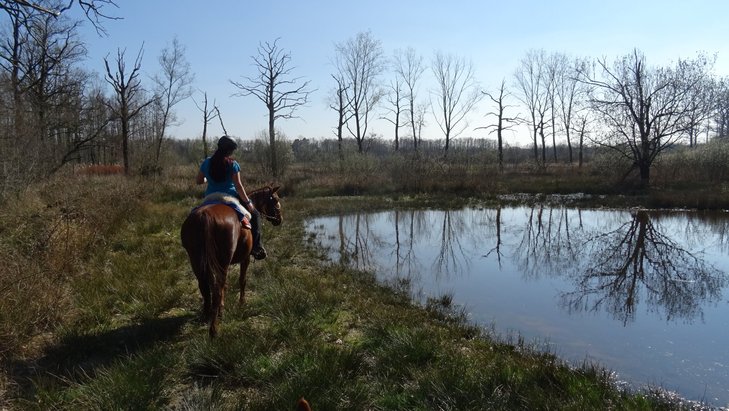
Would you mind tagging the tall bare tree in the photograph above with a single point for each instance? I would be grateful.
(395, 100)
(570, 94)
(456, 94)
(172, 86)
(52, 85)
(276, 88)
(129, 96)
(340, 104)
(503, 122)
(360, 62)
(410, 68)
(644, 110)
(530, 79)
(554, 64)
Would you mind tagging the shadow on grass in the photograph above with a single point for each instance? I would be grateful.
(78, 357)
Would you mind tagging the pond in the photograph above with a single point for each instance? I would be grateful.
(643, 293)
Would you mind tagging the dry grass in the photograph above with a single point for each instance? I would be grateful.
(100, 169)
(48, 232)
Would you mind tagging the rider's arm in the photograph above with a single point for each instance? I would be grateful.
(200, 179)
(247, 203)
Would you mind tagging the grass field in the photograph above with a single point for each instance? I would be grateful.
(99, 310)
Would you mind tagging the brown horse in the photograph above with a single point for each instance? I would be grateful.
(215, 239)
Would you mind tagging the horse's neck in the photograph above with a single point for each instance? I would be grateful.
(258, 198)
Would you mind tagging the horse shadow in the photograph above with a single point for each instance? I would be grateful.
(77, 357)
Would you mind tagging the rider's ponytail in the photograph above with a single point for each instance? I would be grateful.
(220, 162)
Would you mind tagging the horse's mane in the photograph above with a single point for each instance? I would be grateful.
(261, 189)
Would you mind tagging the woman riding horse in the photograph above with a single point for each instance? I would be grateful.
(222, 174)
(214, 235)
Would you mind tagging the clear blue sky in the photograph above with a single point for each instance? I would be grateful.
(220, 37)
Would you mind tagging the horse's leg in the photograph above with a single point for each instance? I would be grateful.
(243, 271)
(223, 289)
(214, 313)
(196, 261)
(205, 291)
(244, 262)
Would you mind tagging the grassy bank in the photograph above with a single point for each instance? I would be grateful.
(100, 311)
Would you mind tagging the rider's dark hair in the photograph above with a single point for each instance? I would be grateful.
(221, 162)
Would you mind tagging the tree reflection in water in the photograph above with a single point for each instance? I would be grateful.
(611, 269)
(636, 261)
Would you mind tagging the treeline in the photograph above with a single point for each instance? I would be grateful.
(54, 112)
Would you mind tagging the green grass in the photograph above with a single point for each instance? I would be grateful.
(129, 336)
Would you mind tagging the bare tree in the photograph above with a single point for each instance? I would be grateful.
(530, 80)
(208, 116)
(172, 86)
(455, 95)
(554, 65)
(409, 67)
(570, 95)
(394, 98)
(503, 122)
(359, 62)
(12, 50)
(702, 100)
(582, 128)
(274, 86)
(128, 93)
(644, 110)
(340, 104)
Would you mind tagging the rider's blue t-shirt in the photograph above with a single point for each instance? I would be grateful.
(226, 186)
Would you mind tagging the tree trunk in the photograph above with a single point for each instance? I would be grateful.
(579, 154)
(501, 148)
(645, 173)
(569, 144)
(544, 144)
(272, 141)
(125, 143)
(412, 123)
(397, 127)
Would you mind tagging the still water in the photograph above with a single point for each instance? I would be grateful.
(642, 293)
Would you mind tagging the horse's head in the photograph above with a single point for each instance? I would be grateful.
(267, 203)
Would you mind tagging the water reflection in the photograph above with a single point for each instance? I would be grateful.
(638, 259)
(613, 264)
(640, 292)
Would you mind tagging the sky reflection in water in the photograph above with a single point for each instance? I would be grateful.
(643, 293)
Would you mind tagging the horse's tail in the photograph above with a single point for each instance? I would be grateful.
(210, 265)
(212, 269)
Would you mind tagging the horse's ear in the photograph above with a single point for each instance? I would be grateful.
(275, 188)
